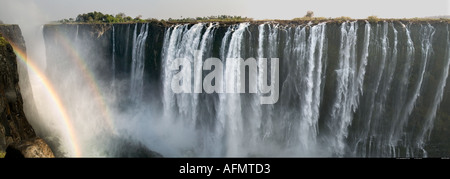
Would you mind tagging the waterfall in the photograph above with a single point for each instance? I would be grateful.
(113, 64)
(194, 44)
(350, 89)
(257, 108)
(76, 34)
(398, 126)
(170, 40)
(386, 148)
(361, 141)
(230, 102)
(431, 114)
(207, 139)
(182, 43)
(261, 125)
(242, 125)
(379, 97)
(344, 103)
(265, 71)
(311, 86)
(137, 63)
(372, 99)
(427, 37)
(373, 106)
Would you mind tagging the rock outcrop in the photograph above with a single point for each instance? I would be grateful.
(30, 148)
(13, 34)
(15, 131)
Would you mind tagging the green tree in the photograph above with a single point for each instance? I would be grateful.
(138, 18)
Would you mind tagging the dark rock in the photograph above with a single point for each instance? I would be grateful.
(31, 148)
(14, 125)
(128, 148)
(13, 34)
(133, 150)
(15, 132)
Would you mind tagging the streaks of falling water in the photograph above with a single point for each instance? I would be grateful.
(182, 41)
(113, 64)
(295, 122)
(426, 37)
(137, 63)
(428, 33)
(231, 103)
(344, 103)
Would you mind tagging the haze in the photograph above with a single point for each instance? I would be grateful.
(12, 10)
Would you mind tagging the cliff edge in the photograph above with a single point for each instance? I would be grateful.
(17, 136)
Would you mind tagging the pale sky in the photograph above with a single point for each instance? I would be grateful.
(12, 11)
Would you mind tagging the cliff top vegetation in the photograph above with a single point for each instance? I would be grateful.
(2, 40)
(98, 18)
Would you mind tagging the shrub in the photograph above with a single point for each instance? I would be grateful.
(220, 18)
(373, 19)
(309, 14)
(342, 19)
(98, 17)
(2, 40)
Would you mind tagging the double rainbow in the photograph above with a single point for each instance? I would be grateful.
(87, 75)
(73, 141)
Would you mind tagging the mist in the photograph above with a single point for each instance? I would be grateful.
(103, 104)
(80, 101)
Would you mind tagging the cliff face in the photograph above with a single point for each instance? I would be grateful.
(13, 34)
(16, 134)
(93, 44)
(349, 89)
(14, 126)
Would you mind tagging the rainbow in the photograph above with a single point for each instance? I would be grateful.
(89, 76)
(73, 141)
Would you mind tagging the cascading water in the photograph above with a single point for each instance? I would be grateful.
(426, 34)
(137, 64)
(344, 103)
(230, 104)
(188, 42)
(113, 63)
(359, 87)
(397, 127)
(431, 114)
(310, 85)
(355, 89)
(303, 87)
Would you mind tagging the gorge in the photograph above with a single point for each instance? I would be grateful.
(346, 89)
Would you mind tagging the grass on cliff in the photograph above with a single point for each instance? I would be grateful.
(2, 154)
(221, 18)
(314, 20)
(100, 18)
(3, 42)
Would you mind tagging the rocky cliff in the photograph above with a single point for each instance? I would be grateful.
(17, 136)
(355, 88)
(13, 34)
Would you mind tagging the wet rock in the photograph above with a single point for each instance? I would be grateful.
(31, 148)
(16, 133)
